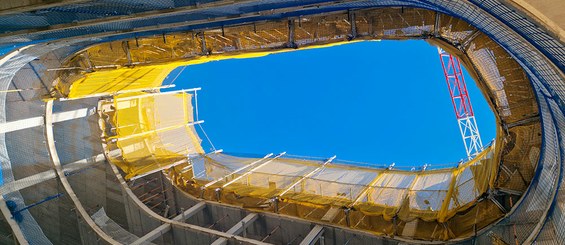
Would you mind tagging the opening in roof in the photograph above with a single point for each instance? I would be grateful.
(376, 102)
(141, 64)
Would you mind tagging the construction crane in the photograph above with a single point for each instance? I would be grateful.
(461, 103)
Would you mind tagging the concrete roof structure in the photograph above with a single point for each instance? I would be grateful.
(58, 186)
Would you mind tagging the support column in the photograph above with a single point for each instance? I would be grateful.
(291, 29)
(436, 24)
(125, 46)
(351, 17)
(203, 40)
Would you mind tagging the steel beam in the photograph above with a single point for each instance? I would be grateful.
(291, 32)
(238, 228)
(164, 228)
(351, 17)
(314, 235)
(523, 121)
(82, 164)
(27, 182)
(39, 121)
(38, 178)
(129, 194)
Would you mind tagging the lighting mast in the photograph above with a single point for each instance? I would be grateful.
(461, 103)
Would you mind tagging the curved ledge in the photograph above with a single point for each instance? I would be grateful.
(63, 178)
(125, 188)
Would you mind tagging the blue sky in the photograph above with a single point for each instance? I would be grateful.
(376, 102)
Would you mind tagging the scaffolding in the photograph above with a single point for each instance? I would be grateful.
(152, 131)
(358, 197)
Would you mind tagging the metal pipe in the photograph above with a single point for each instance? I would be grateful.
(118, 92)
(237, 170)
(163, 93)
(250, 171)
(158, 130)
(307, 176)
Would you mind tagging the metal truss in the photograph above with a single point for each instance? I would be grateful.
(461, 103)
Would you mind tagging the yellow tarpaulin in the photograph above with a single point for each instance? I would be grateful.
(148, 76)
(153, 130)
(431, 196)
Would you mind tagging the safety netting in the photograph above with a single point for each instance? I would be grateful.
(151, 130)
(130, 78)
(373, 197)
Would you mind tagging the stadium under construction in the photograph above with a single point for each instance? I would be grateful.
(92, 152)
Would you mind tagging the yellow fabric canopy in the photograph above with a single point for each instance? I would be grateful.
(145, 77)
(153, 130)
